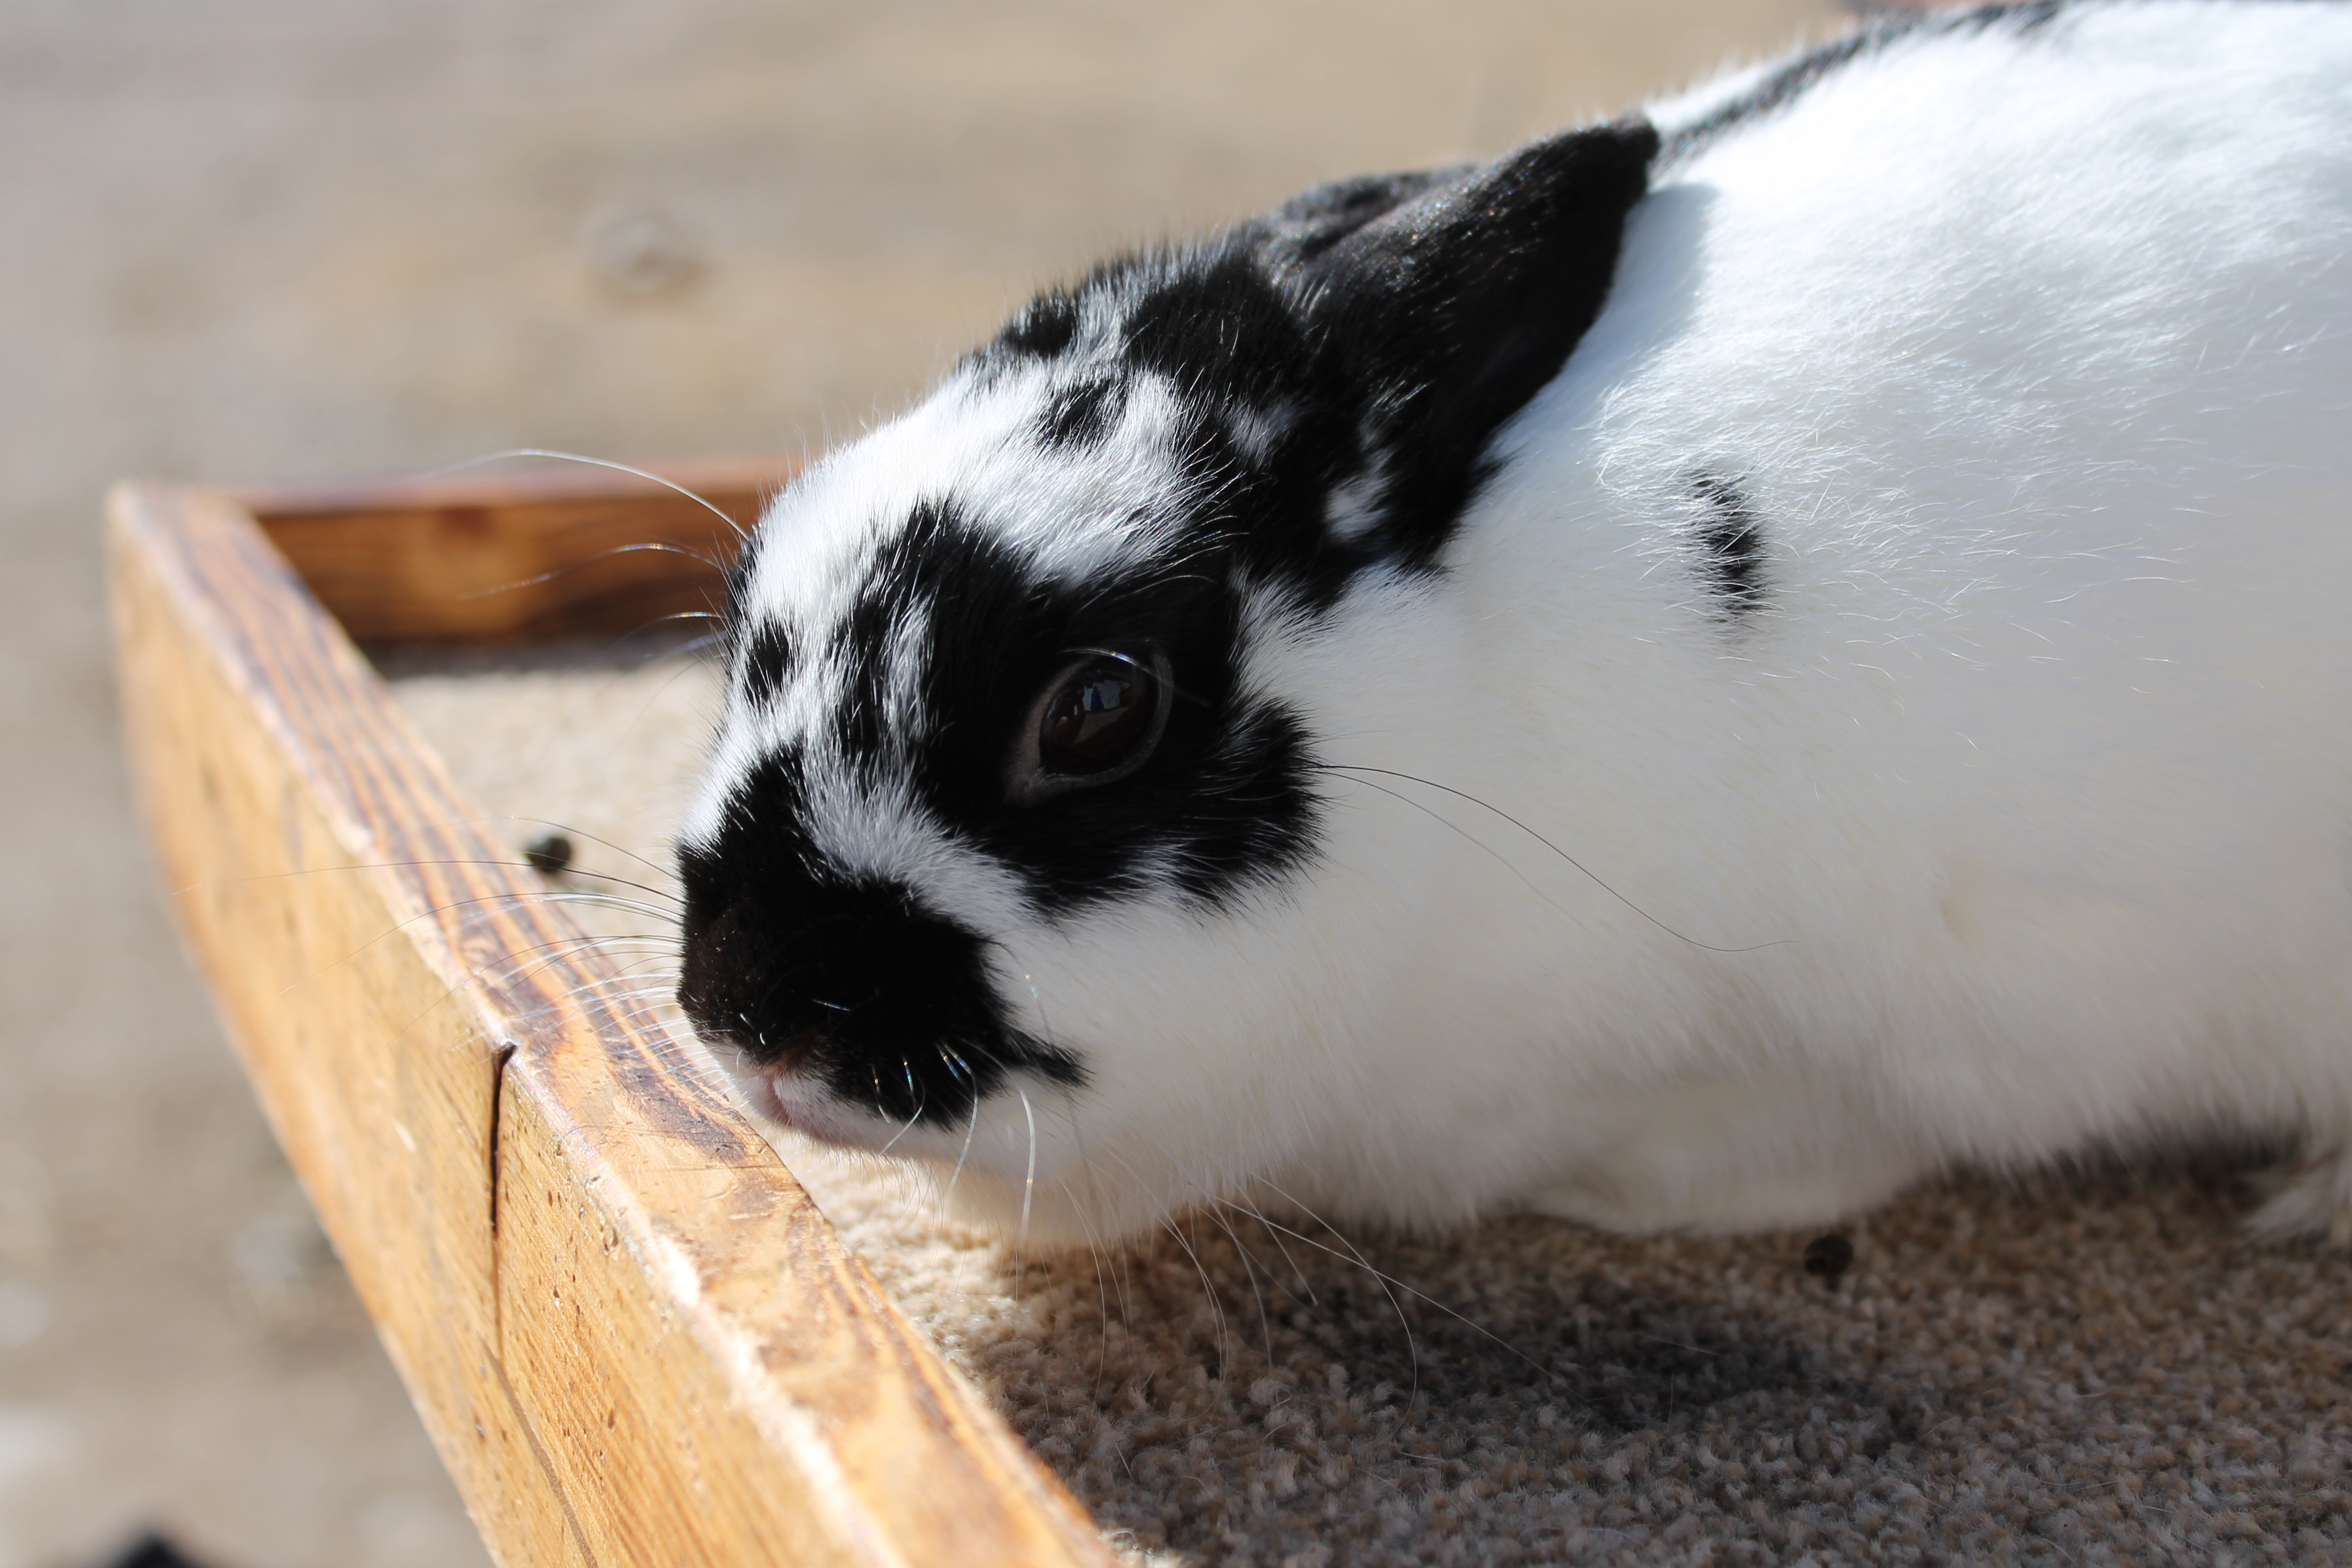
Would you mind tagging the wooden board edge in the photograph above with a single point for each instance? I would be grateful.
(499, 554)
(877, 1432)
(507, 484)
(278, 908)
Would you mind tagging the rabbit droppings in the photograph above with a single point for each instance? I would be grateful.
(1688, 677)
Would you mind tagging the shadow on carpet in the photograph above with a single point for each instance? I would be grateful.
(2095, 1367)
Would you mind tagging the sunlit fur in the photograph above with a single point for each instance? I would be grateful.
(2016, 818)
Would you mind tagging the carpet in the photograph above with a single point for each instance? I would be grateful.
(2084, 1366)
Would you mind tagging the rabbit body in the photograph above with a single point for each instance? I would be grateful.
(1883, 703)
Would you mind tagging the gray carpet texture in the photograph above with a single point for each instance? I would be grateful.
(2083, 1366)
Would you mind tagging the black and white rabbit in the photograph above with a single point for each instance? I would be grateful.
(1686, 677)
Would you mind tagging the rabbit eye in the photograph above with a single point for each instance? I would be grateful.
(1097, 721)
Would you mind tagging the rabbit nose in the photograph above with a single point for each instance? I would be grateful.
(787, 1051)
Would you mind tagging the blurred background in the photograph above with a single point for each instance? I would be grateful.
(276, 238)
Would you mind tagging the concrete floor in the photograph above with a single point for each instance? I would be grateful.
(265, 238)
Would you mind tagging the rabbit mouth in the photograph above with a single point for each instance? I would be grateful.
(795, 1100)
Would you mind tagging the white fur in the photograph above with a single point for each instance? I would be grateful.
(2018, 820)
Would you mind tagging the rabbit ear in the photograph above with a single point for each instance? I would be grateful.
(1448, 299)
(1311, 222)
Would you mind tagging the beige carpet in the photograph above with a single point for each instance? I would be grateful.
(2081, 1369)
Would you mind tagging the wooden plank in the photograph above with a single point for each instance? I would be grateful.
(515, 556)
(378, 1083)
(633, 1338)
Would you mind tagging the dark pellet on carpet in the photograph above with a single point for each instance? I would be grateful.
(550, 854)
(1827, 1257)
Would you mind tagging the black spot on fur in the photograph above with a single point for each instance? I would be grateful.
(1730, 546)
(764, 662)
(1081, 414)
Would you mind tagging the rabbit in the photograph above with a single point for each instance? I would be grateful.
(1689, 677)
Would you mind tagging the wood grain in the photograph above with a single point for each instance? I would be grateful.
(631, 1335)
(334, 979)
(501, 557)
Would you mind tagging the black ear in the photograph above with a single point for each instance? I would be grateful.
(1448, 299)
(1302, 228)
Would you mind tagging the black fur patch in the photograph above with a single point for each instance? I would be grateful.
(1396, 321)
(1237, 342)
(763, 663)
(791, 957)
(1221, 327)
(1730, 546)
(1081, 412)
(888, 1005)
(1044, 329)
(1223, 802)
(1456, 306)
